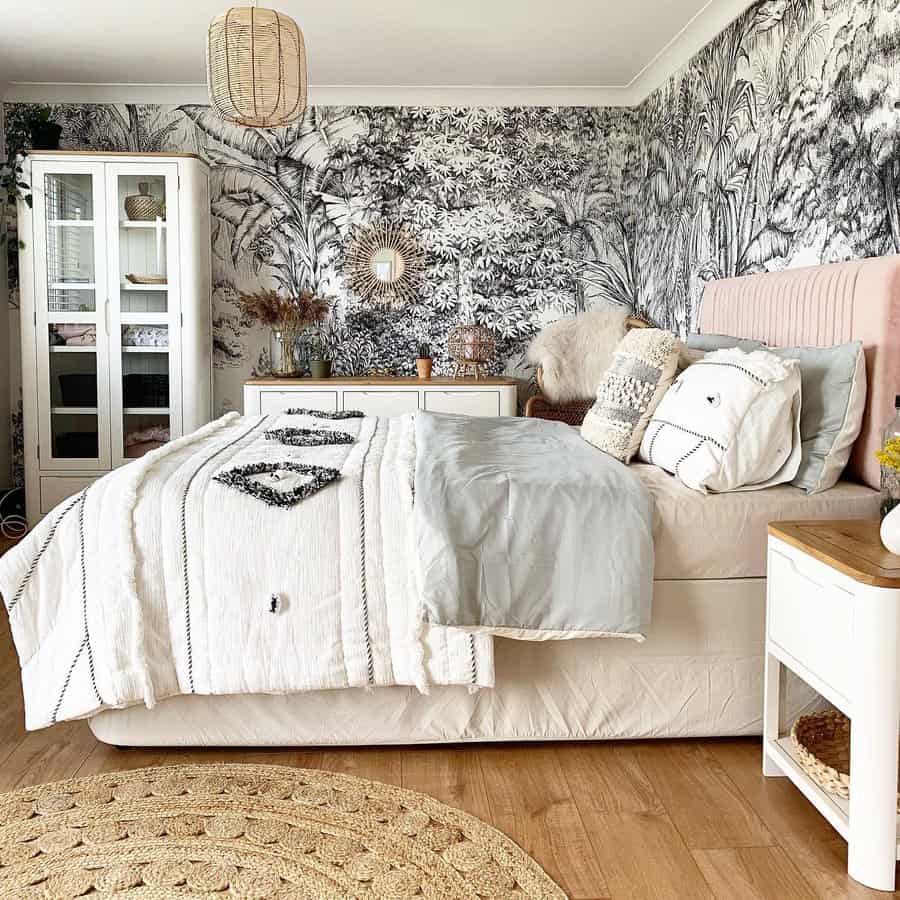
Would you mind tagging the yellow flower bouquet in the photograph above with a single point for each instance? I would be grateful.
(889, 457)
(889, 454)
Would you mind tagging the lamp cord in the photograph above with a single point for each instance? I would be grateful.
(12, 525)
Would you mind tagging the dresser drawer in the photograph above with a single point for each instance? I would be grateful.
(56, 488)
(467, 403)
(810, 617)
(278, 401)
(382, 403)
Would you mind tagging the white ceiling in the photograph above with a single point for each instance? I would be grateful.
(552, 50)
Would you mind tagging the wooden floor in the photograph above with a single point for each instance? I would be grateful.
(667, 819)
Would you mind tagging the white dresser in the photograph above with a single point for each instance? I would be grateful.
(383, 396)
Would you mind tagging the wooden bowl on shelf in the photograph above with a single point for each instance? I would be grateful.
(146, 279)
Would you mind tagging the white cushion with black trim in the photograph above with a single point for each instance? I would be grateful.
(731, 421)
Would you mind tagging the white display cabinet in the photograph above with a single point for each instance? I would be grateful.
(116, 321)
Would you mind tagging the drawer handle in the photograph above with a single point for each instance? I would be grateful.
(793, 564)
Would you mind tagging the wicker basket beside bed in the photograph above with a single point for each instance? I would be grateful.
(821, 742)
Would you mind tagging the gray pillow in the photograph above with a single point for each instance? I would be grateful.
(833, 400)
(709, 342)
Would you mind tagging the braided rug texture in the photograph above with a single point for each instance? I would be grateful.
(252, 831)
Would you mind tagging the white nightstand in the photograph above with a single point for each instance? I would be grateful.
(832, 618)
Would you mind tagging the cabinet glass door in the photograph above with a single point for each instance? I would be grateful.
(70, 288)
(145, 389)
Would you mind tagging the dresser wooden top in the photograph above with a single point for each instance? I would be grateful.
(851, 546)
(382, 381)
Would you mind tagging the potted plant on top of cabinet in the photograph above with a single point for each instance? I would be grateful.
(424, 362)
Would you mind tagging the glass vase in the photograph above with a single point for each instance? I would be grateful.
(283, 353)
(890, 490)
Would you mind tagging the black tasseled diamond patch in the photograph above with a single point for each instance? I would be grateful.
(308, 437)
(322, 414)
(261, 480)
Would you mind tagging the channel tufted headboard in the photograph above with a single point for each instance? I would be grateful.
(818, 307)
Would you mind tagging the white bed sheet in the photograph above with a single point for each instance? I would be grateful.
(724, 535)
(700, 673)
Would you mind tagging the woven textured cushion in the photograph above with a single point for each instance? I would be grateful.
(730, 422)
(642, 368)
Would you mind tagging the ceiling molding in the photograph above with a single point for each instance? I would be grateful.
(52, 92)
(707, 24)
(335, 94)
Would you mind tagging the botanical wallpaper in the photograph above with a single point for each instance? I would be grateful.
(779, 144)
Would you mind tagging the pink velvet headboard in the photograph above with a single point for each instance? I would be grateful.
(818, 307)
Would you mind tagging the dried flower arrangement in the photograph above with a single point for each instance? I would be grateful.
(288, 317)
(269, 307)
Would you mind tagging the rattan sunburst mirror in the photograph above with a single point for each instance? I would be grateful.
(384, 264)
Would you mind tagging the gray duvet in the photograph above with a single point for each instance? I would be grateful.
(525, 530)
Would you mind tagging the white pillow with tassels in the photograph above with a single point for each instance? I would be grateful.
(731, 421)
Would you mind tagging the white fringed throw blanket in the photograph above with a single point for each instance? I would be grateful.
(160, 580)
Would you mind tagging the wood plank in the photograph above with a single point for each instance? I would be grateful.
(12, 720)
(12, 709)
(606, 777)
(531, 802)
(50, 754)
(851, 547)
(703, 802)
(815, 848)
(167, 154)
(644, 858)
(641, 852)
(104, 758)
(450, 774)
(752, 873)
(372, 763)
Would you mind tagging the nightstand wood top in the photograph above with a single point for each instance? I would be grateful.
(851, 546)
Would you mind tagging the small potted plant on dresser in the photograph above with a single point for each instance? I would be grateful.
(424, 362)
(319, 360)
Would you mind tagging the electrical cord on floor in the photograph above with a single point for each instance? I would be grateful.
(12, 523)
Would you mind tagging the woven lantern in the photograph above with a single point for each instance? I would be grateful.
(256, 67)
(471, 347)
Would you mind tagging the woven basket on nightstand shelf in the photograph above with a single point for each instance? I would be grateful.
(822, 746)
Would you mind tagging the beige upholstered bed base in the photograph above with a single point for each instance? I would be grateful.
(700, 673)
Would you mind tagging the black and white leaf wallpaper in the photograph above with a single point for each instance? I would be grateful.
(779, 144)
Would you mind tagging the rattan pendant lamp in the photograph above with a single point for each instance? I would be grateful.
(256, 67)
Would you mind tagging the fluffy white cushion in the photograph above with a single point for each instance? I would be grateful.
(574, 353)
(731, 421)
(641, 370)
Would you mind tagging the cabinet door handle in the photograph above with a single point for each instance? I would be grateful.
(106, 316)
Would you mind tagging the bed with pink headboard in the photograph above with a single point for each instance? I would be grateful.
(819, 307)
(700, 672)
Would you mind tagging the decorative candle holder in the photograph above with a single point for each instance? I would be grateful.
(471, 347)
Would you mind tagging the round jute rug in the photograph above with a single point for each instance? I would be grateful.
(217, 831)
